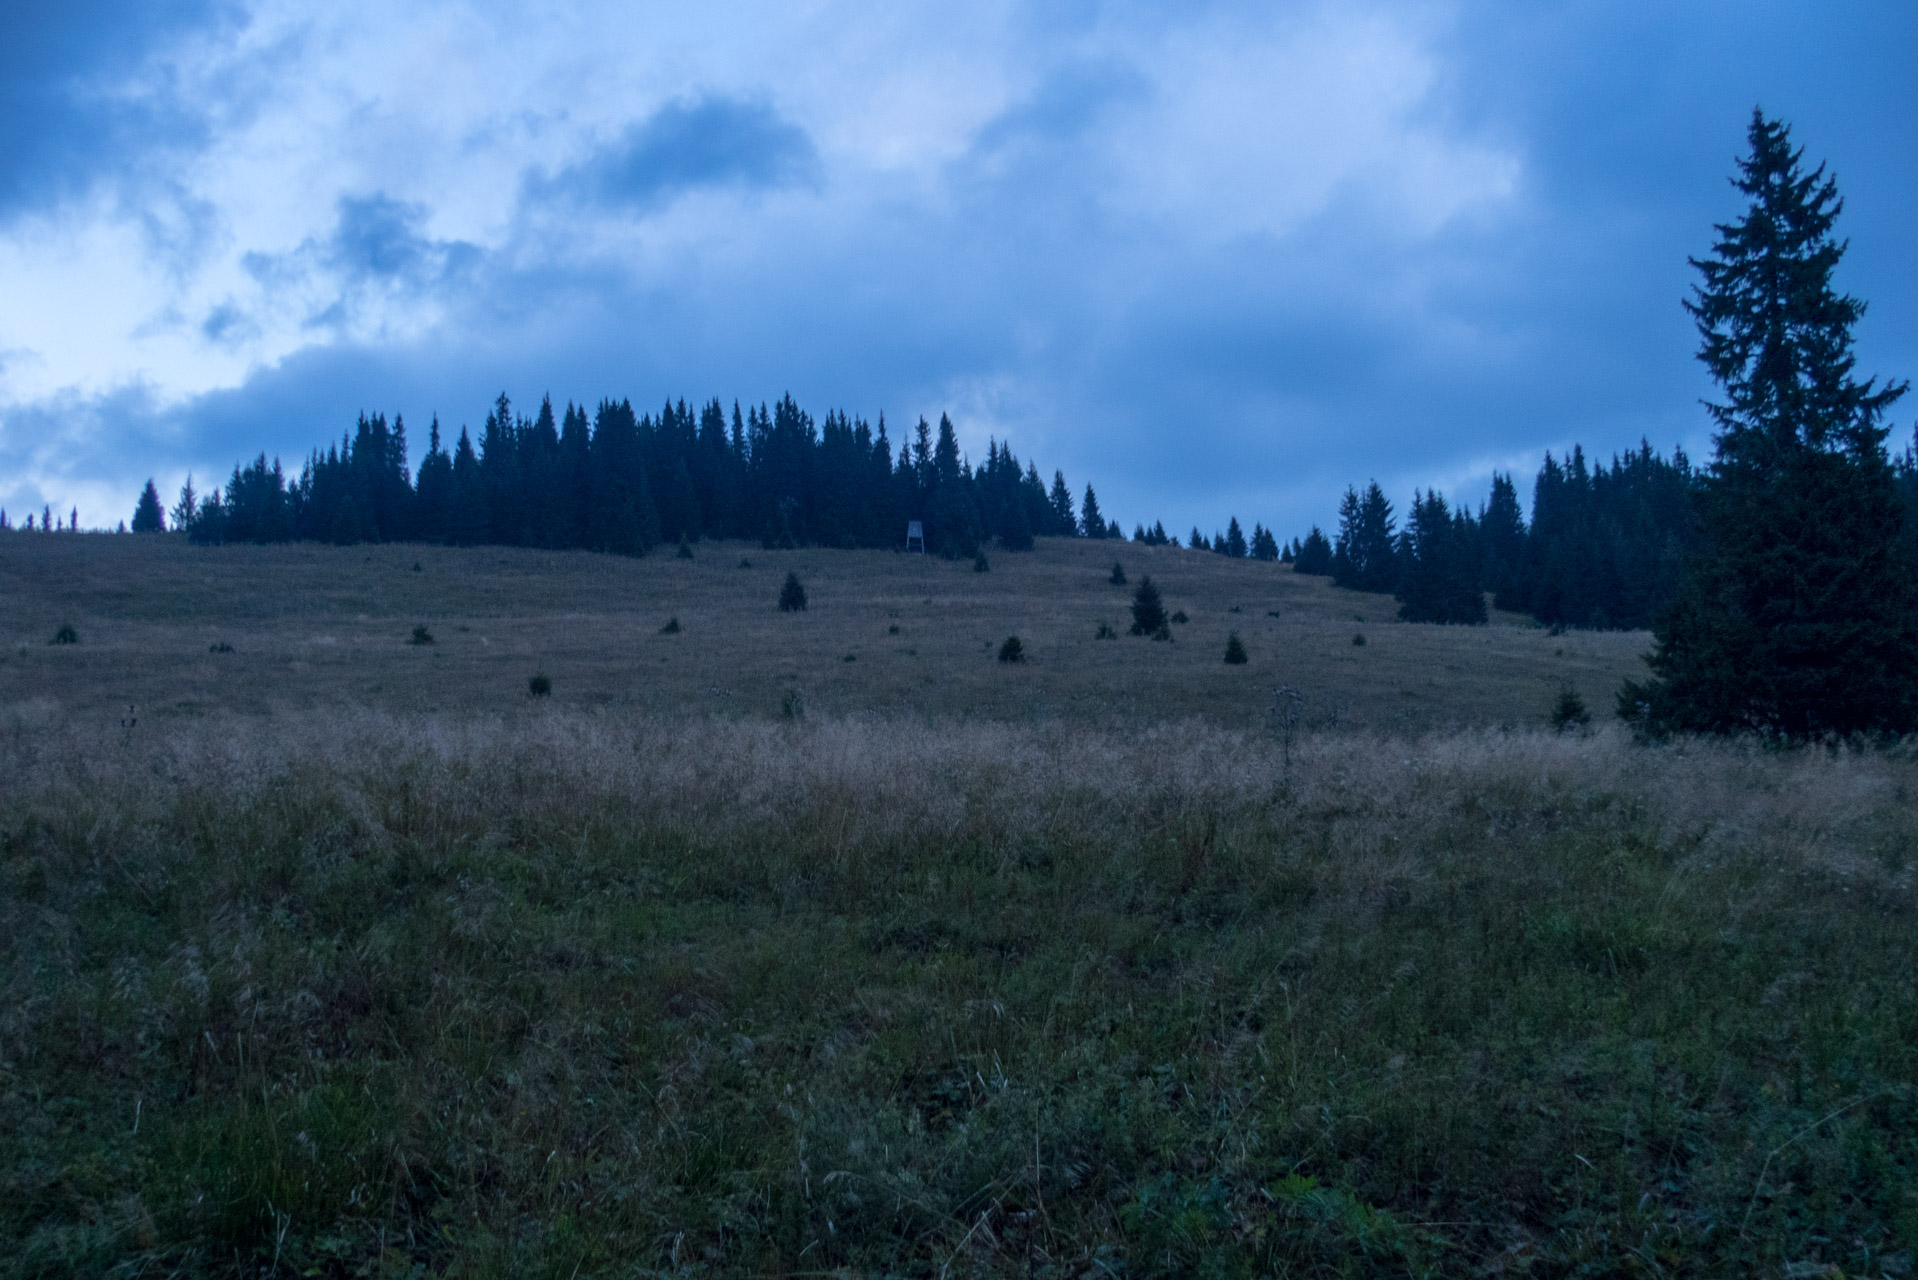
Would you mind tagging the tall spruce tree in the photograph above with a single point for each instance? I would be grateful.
(1798, 618)
(1439, 578)
(1502, 540)
(147, 516)
(1365, 557)
(1093, 521)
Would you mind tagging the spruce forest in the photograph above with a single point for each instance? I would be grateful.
(1606, 545)
(1604, 548)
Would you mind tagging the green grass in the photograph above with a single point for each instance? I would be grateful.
(570, 994)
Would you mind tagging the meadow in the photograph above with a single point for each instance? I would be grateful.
(377, 966)
(315, 627)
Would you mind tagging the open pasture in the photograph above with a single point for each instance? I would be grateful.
(326, 627)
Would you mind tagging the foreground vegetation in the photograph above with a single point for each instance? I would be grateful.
(562, 993)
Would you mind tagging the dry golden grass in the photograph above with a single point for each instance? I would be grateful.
(324, 627)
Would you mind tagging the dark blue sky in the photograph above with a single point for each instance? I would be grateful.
(1218, 260)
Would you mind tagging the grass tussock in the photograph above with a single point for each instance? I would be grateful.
(561, 995)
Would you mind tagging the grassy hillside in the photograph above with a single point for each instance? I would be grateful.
(323, 627)
(569, 994)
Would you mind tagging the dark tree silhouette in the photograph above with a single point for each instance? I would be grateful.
(1798, 618)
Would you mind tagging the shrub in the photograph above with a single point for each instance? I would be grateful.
(685, 551)
(671, 628)
(417, 568)
(1012, 650)
(744, 563)
(1569, 712)
(1163, 633)
(792, 706)
(1148, 610)
(219, 646)
(893, 630)
(65, 635)
(1105, 632)
(1234, 650)
(1118, 574)
(980, 564)
(1181, 619)
(1358, 640)
(421, 636)
(539, 686)
(792, 596)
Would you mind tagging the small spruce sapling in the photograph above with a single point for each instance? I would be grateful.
(1118, 574)
(671, 628)
(421, 636)
(1012, 650)
(1569, 712)
(792, 596)
(65, 635)
(685, 551)
(1148, 610)
(1235, 655)
(980, 564)
(539, 686)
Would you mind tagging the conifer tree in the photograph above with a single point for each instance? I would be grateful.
(792, 595)
(1439, 578)
(1314, 554)
(1502, 535)
(187, 507)
(1365, 558)
(433, 498)
(1093, 524)
(147, 517)
(1065, 521)
(1235, 539)
(1264, 545)
(1798, 618)
(1148, 610)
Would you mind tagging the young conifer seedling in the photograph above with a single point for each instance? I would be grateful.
(792, 596)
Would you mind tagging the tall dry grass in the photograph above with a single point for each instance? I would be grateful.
(572, 994)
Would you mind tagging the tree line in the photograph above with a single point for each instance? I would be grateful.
(625, 482)
(1606, 546)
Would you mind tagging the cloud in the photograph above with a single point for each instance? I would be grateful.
(375, 267)
(1214, 258)
(703, 142)
(73, 105)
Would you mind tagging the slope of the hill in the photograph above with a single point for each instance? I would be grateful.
(316, 626)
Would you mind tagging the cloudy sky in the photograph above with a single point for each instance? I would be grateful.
(1213, 257)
